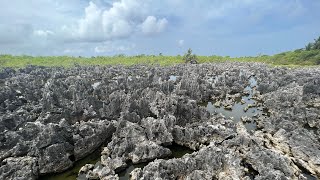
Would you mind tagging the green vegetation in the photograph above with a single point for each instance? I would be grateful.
(313, 46)
(65, 61)
(298, 57)
(190, 58)
(301, 57)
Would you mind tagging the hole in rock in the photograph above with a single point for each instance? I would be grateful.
(252, 173)
(3, 139)
(72, 158)
(178, 151)
(23, 100)
(3, 163)
(151, 114)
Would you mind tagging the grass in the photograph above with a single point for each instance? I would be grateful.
(291, 58)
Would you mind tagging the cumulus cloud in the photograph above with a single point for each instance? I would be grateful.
(153, 25)
(120, 20)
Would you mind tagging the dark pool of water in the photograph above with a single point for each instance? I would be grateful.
(72, 174)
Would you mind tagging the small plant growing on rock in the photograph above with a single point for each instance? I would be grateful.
(190, 58)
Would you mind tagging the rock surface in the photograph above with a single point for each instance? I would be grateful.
(52, 117)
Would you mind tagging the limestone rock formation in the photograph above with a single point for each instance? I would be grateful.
(52, 117)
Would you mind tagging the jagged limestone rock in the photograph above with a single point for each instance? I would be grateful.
(51, 117)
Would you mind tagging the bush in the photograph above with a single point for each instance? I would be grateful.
(190, 58)
(313, 46)
(307, 55)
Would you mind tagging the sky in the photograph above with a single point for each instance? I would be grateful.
(132, 27)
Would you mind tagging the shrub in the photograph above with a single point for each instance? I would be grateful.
(190, 58)
(313, 46)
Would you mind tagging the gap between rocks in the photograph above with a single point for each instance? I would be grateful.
(72, 173)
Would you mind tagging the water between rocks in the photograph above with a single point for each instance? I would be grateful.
(172, 78)
(237, 111)
(72, 174)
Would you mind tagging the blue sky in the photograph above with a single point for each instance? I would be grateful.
(109, 27)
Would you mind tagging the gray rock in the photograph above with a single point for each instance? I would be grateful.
(52, 117)
(19, 168)
(90, 136)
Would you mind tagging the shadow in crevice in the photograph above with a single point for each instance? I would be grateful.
(251, 172)
(72, 173)
(178, 151)
(312, 129)
(305, 172)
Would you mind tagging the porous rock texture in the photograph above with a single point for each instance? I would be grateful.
(52, 117)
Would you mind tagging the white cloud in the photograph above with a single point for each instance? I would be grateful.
(90, 26)
(181, 43)
(121, 20)
(45, 27)
(153, 25)
(43, 33)
(114, 47)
